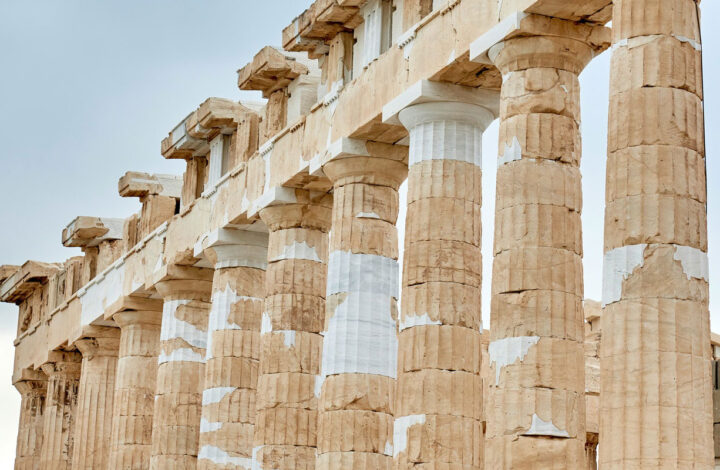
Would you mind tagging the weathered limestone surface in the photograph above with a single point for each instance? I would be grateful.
(359, 358)
(536, 414)
(655, 359)
(60, 405)
(291, 341)
(33, 392)
(181, 370)
(94, 414)
(233, 349)
(134, 399)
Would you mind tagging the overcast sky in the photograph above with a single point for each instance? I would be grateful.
(89, 89)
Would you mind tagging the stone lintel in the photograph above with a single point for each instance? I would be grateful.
(271, 70)
(133, 302)
(524, 24)
(18, 286)
(322, 21)
(138, 184)
(230, 236)
(425, 91)
(86, 231)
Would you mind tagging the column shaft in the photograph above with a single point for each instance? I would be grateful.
(656, 406)
(181, 373)
(536, 410)
(30, 429)
(438, 419)
(233, 354)
(59, 416)
(291, 344)
(135, 389)
(93, 422)
(359, 362)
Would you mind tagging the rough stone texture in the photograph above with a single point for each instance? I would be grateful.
(134, 400)
(657, 406)
(60, 405)
(291, 344)
(181, 373)
(30, 429)
(536, 414)
(93, 421)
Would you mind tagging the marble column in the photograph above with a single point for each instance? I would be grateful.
(233, 349)
(135, 389)
(93, 416)
(33, 393)
(291, 341)
(656, 394)
(60, 405)
(181, 370)
(359, 361)
(536, 410)
(438, 418)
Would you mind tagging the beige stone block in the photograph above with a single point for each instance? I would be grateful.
(288, 390)
(180, 376)
(354, 461)
(296, 276)
(449, 439)
(445, 179)
(545, 136)
(537, 313)
(291, 456)
(354, 430)
(443, 218)
(440, 392)
(449, 303)
(526, 453)
(286, 426)
(231, 371)
(656, 116)
(236, 344)
(296, 312)
(442, 261)
(281, 243)
(237, 406)
(439, 347)
(631, 19)
(540, 90)
(529, 181)
(302, 354)
(174, 462)
(364, 392)
(535, 225)
(539, 268)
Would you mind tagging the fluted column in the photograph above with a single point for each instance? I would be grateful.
(135, 389)
(181, 372)
(438, 418)
(359, 361)
(30, 430)
(291, 341)
(93, 421)
(233, 350)
(656, 402)
(60, 406)
(536, 414)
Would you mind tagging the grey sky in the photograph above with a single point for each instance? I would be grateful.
(89, 89)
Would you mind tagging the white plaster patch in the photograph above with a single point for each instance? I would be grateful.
(511, 153)
(173, 327)
(298, 251)
(506, 351)
(219, 457)
(319, 380)
(620, 43)
(266, 325)
(361, 335)
(289, 338)
(218, 320)
(400, 430)
(388, 449)
(696, 45)
(416, 320)
(444, 140)
(255, 464)
(618, 265)
(544, 428)
(181, 355)
(366, 215)
(694, 262)
(209, 426)
(565, 89)
(103, 292)
(216, 394)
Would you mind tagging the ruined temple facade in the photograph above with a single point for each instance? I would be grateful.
(253, 314)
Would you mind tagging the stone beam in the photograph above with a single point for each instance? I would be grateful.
(271, 70)
(138, 184)
(16, 287)
(91, 231)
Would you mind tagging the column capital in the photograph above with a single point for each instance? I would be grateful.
(230, 248)
(310, 210)
(138, 317)
(35, 386)
(184, 282)
(368, 162)
(99, 341)
(62, 363)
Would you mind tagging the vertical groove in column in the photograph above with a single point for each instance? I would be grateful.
(93, 422)
(60, 408)
(291, 343)
(656, 410)
(438, 417)
(359, 361)
(181, 373)
(30, 429)
(228, 411)
(536, 409)
(135, 389)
